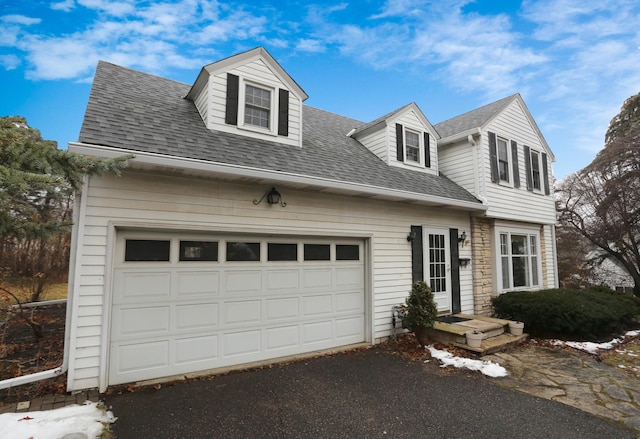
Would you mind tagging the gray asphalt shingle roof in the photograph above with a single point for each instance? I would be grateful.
(142, 112)
(472, 119)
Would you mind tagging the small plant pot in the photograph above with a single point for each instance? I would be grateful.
(474, 338)
(516, 328)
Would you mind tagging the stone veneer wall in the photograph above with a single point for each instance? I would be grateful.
(482, 269)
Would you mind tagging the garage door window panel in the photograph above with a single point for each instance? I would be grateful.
(147, 250)
(243, 251)
(317, 252)
(347, 252)
(198, 251)
(282, 252)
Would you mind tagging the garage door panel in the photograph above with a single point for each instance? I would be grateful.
(318, 279)
(282, 308)
(142, 356)
(197, 316)
(142, 286)
(349, 277)
(196, 349)
(198, 284)
(351, 328)
(350, 302)
(242, 343)
(137, 321)
(243, 282)
(282, 281)
(242, 312)
(282, 337)
(313, 306)
(317, 332)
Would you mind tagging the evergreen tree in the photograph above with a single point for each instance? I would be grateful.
(36, 177)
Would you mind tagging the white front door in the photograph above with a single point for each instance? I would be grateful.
(438, 266)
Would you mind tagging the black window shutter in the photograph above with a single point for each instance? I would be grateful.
(399, 143)
(493, 157)
(527, 166)
(545, 174)
(456, 305)
(283, 112)
(417, 272)
(514, 157)
(427, 151)
(231, 112)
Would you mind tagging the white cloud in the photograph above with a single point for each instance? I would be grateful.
(310, 45)
(65, 5)
(20, 19)
(9, 62)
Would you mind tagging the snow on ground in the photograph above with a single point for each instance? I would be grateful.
(486, 367)
(86, 420)
(594, 348)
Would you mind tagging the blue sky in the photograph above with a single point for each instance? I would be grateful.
(573, 61)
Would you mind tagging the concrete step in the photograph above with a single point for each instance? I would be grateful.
(495, 333)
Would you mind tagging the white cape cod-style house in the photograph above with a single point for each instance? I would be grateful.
(250, 226)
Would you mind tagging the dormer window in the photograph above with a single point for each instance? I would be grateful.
(257, 106)
(412, 146)
(412, 140)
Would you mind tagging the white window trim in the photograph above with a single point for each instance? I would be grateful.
(498, 258)
(273, 121)
(540, 171)
(420, 161)
(501, 182)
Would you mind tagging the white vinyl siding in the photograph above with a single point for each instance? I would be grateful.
(147, 200)
(256, 72)
(378, 143)
(459, 162)
(507, 202)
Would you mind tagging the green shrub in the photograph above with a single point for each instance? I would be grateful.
(421, 311)
(569, 313)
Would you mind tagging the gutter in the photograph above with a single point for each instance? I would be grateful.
(153, 159)
(459, 136)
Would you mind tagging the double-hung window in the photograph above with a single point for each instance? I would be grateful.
(503, 160)
(535, 171)
(519, 260)
(412, 140)
(257, 106)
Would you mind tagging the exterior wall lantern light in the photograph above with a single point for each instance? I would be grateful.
(411, 236)
(273, 197)
(462, 238)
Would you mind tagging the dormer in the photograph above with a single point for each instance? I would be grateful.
(403, 138)
(250, 94)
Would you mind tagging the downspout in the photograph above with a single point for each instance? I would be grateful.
(55, 372)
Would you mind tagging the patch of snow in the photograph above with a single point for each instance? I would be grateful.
(86, 420)
(594, 348)
(486, 367)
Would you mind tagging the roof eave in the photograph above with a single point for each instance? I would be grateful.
(231, 172)
(459, 136)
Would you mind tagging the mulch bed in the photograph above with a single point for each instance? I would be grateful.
(21, 354)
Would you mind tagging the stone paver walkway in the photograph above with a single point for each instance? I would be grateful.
(50, 402)
(574, 379)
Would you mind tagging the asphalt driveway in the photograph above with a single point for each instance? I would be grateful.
(368, 393)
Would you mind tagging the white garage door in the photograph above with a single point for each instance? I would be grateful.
(188, 303)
